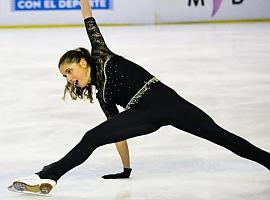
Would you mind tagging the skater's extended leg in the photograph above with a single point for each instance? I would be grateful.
(191, 119)
(128, 124)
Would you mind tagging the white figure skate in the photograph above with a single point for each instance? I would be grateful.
(33, 185)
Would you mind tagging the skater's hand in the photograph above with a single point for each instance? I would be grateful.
(86, 9)
(125, 174)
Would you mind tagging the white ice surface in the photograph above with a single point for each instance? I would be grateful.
(222, 68)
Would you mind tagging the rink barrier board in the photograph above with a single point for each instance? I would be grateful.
(143, 12)
(117, 25)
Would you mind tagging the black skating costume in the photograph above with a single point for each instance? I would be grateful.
(148, 103)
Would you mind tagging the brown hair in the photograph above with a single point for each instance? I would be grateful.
(72, 56)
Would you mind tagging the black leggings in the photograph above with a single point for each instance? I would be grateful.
(158, 107)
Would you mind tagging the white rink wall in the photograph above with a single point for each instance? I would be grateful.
(40, 12)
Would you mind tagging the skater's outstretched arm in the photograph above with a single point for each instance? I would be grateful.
(101, 49)
(86, 9)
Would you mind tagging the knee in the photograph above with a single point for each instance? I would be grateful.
(90, 138)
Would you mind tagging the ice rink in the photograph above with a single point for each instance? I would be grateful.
(222, 68)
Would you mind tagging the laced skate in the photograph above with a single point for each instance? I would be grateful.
(33, 185)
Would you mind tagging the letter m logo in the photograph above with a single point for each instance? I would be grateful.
(195, 2)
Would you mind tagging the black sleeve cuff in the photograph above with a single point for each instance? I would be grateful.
(89, 19)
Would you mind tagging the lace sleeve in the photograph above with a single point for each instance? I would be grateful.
(98, 44)
(109, 110)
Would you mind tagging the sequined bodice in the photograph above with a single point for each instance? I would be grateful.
(118, 80)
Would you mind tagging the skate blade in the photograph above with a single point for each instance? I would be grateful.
(40, 190)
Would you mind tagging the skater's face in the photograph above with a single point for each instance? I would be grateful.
(78, 74)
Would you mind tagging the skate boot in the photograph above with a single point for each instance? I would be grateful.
(33, 185)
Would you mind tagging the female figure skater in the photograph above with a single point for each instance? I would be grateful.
(148, 103)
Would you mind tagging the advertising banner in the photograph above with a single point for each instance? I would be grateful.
(210, 10)
(56, 5)
(53, 12)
